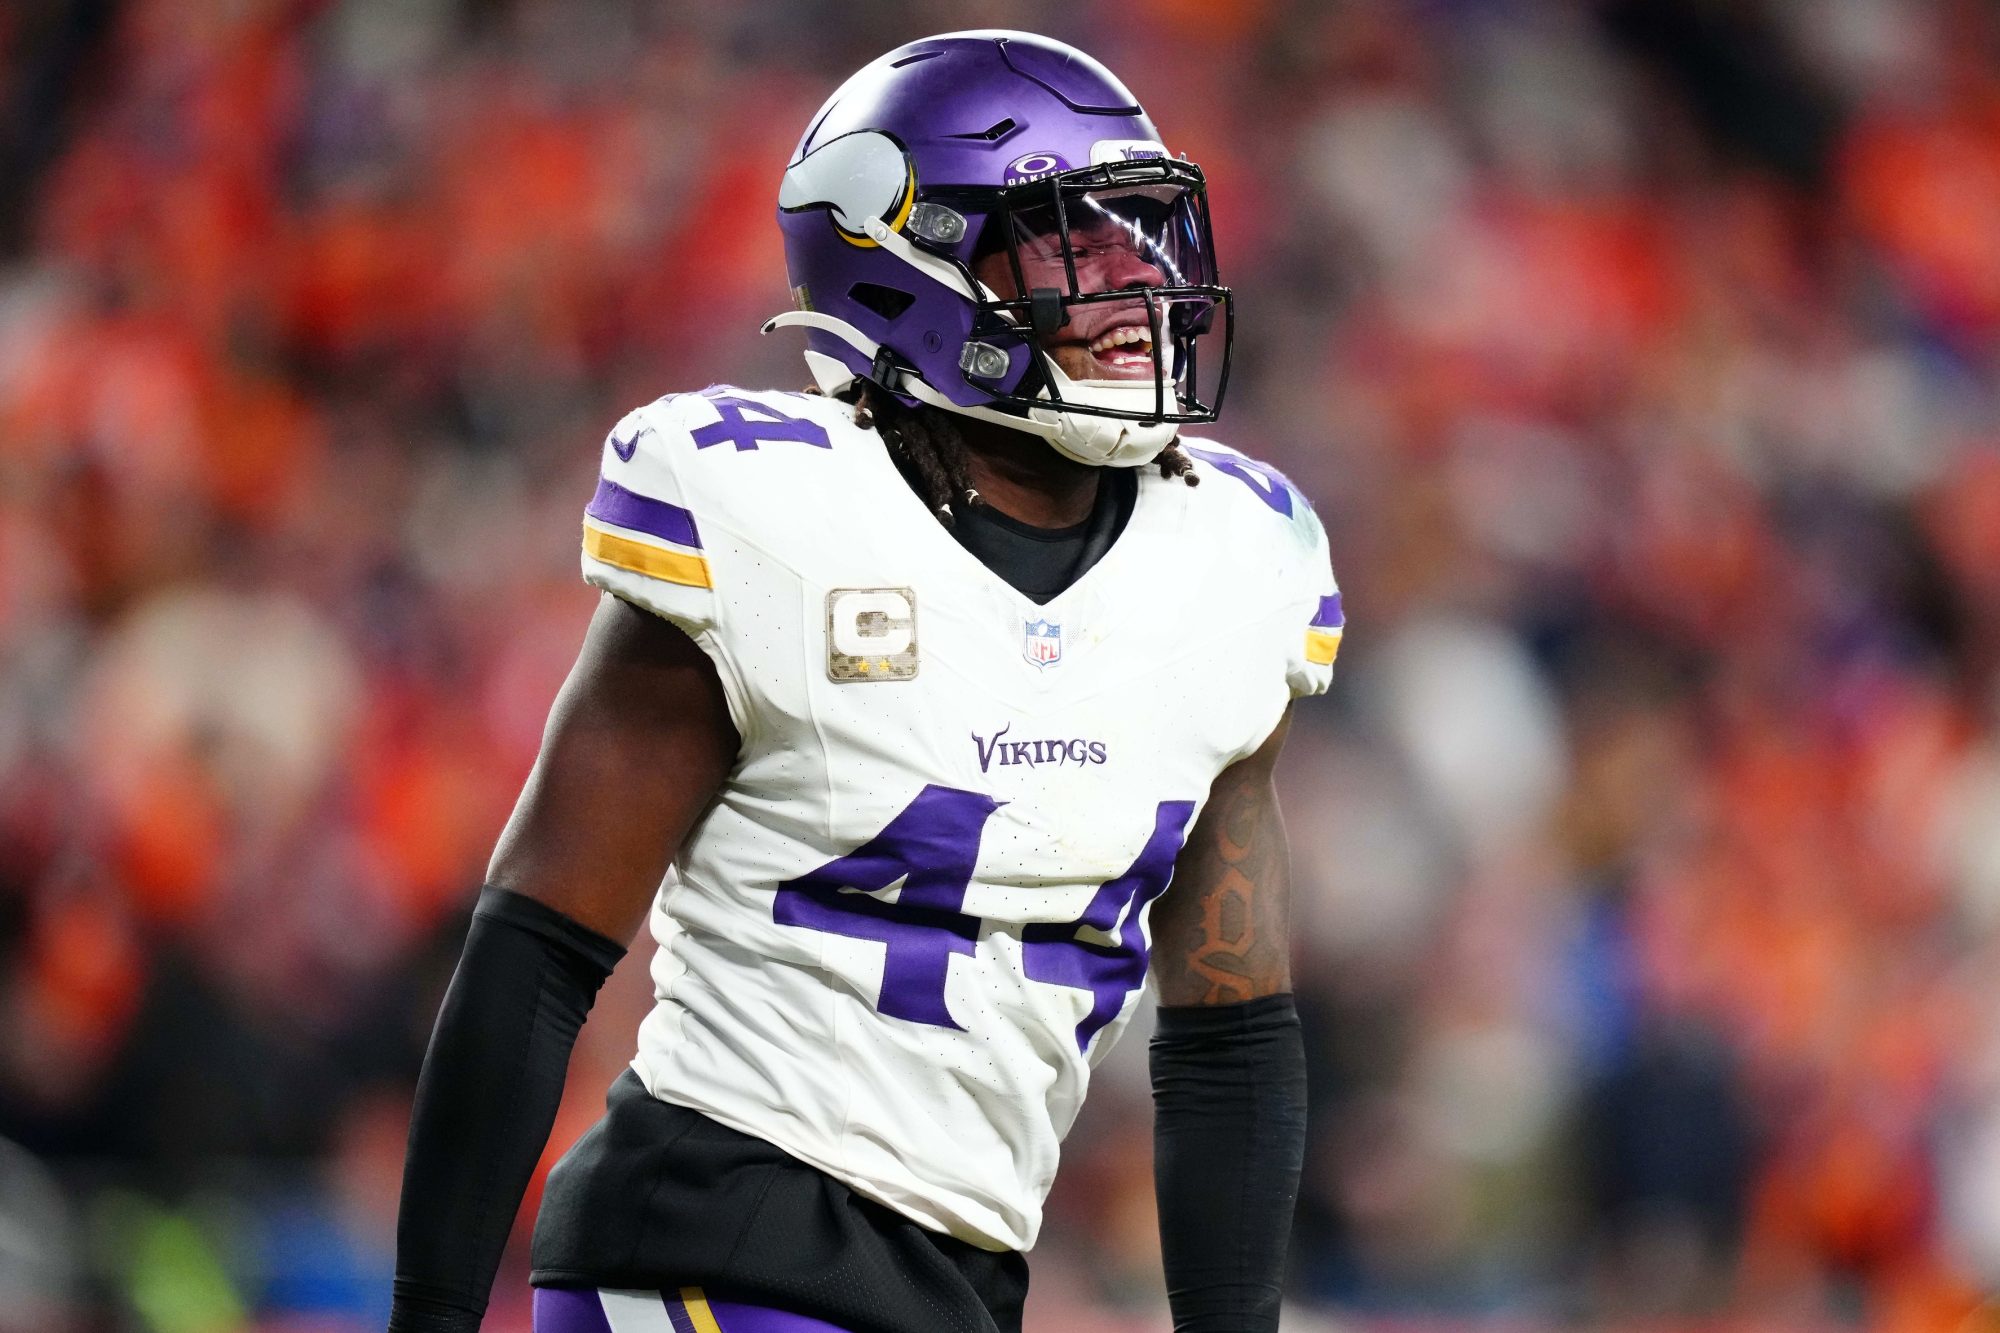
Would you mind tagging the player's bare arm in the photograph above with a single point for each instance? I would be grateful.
(636, 746)
(637, 743)
(1220, 933)
(1228, 1061)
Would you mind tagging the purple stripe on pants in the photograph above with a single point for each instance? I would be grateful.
(642, 513)
(1328, 616)
(569, 1310)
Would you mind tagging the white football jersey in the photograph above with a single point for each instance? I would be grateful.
(916, 915)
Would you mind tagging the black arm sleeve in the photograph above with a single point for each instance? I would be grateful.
(1229, 1139)
(492, 1079)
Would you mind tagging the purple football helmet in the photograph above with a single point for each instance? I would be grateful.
(947, 152)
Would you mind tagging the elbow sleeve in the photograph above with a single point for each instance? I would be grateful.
(1229, 1135)
(491, 1083)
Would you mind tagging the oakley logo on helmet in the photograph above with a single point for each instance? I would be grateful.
(1033, 167)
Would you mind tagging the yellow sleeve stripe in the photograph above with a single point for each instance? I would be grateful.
(695, 1302)
(1322, 646)
(641, 558)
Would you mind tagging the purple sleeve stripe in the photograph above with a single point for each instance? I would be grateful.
(638, 513)
(1328, 616)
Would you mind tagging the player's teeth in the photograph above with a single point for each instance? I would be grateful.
(1120, 337)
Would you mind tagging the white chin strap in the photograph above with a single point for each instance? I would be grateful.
(1094, 440)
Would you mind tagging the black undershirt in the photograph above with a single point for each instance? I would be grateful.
(1041, 562)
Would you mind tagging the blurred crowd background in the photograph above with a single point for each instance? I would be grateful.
(1641, 357)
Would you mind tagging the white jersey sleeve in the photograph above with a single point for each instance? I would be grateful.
(1285, 548)
(1312, 605)
(641, 537)
(666, 530)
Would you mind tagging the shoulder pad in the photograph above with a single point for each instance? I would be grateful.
(1290, 556)
(677, 497)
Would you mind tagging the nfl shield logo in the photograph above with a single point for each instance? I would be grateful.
(1043, 646)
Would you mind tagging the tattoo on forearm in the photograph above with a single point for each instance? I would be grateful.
(1221, 934)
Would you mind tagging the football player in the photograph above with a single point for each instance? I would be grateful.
(921, 713)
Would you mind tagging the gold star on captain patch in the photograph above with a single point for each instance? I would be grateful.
(884, 664)
(864, 666)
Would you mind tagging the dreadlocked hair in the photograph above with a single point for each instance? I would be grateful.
(925, 444)
(1174, 462)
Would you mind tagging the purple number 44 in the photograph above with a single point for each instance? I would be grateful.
(746, 423)
(933, 846)
(1271, 486)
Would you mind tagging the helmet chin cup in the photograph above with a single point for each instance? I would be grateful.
(1103, 441)
(1108, 442)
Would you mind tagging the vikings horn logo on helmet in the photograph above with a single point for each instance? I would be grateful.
(857, 178)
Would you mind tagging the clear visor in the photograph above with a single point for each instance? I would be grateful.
(1150, 236)
(1133, 266)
